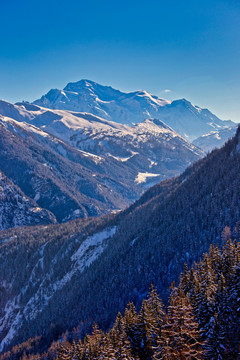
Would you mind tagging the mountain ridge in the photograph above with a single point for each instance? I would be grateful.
(120, 160)
(129, 108)
(67, 182)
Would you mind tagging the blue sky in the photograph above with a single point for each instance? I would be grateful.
(191, 48)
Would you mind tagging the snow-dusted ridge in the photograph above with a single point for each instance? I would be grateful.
(215, 139)
(92, 247)
(133, 107)
(143, 147)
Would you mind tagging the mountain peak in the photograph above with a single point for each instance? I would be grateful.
(131, 108)
(182, 101)
(79, 84)
(156, 122)
(86, 84)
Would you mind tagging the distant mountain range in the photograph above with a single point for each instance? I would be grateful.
(131, 108)
(79, 165)
(67, 182)
(87, 270)
(215, 139)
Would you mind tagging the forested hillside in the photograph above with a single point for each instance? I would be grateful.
(201, 320)
(101, 265)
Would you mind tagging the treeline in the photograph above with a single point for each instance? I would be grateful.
(202, 320)
(150, 334)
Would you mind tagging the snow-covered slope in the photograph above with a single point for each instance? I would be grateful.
(149, 147)
(103, 101)
(129, 108)
(16, 209)
(214, 139)
(68, 182)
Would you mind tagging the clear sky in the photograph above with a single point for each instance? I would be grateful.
(172, 48)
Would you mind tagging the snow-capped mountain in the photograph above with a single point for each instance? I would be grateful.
(16, 209)
(146, 152)
(67, 182)
(130, 108)
(98, 265)
(214, 139)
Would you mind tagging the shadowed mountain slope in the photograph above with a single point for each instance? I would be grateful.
(79, 165)
(16, 209)
(87, 270)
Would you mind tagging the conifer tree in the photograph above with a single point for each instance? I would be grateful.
(181, 336)
(132, 326)
(107, 350)
(93, 343)
(151, 317)
(120, 340)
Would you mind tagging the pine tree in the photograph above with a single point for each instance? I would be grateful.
(93, 343)
(67, 352)
(119, 339)
(133, 331)
(151, 317)
(108, 352)
(181, 336)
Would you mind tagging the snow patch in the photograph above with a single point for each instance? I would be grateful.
(122, 159)
(37, 196)
(142, 177)
(152, 163)
(36, 209)
(9, 239)
(91, 248)
(95, 158)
